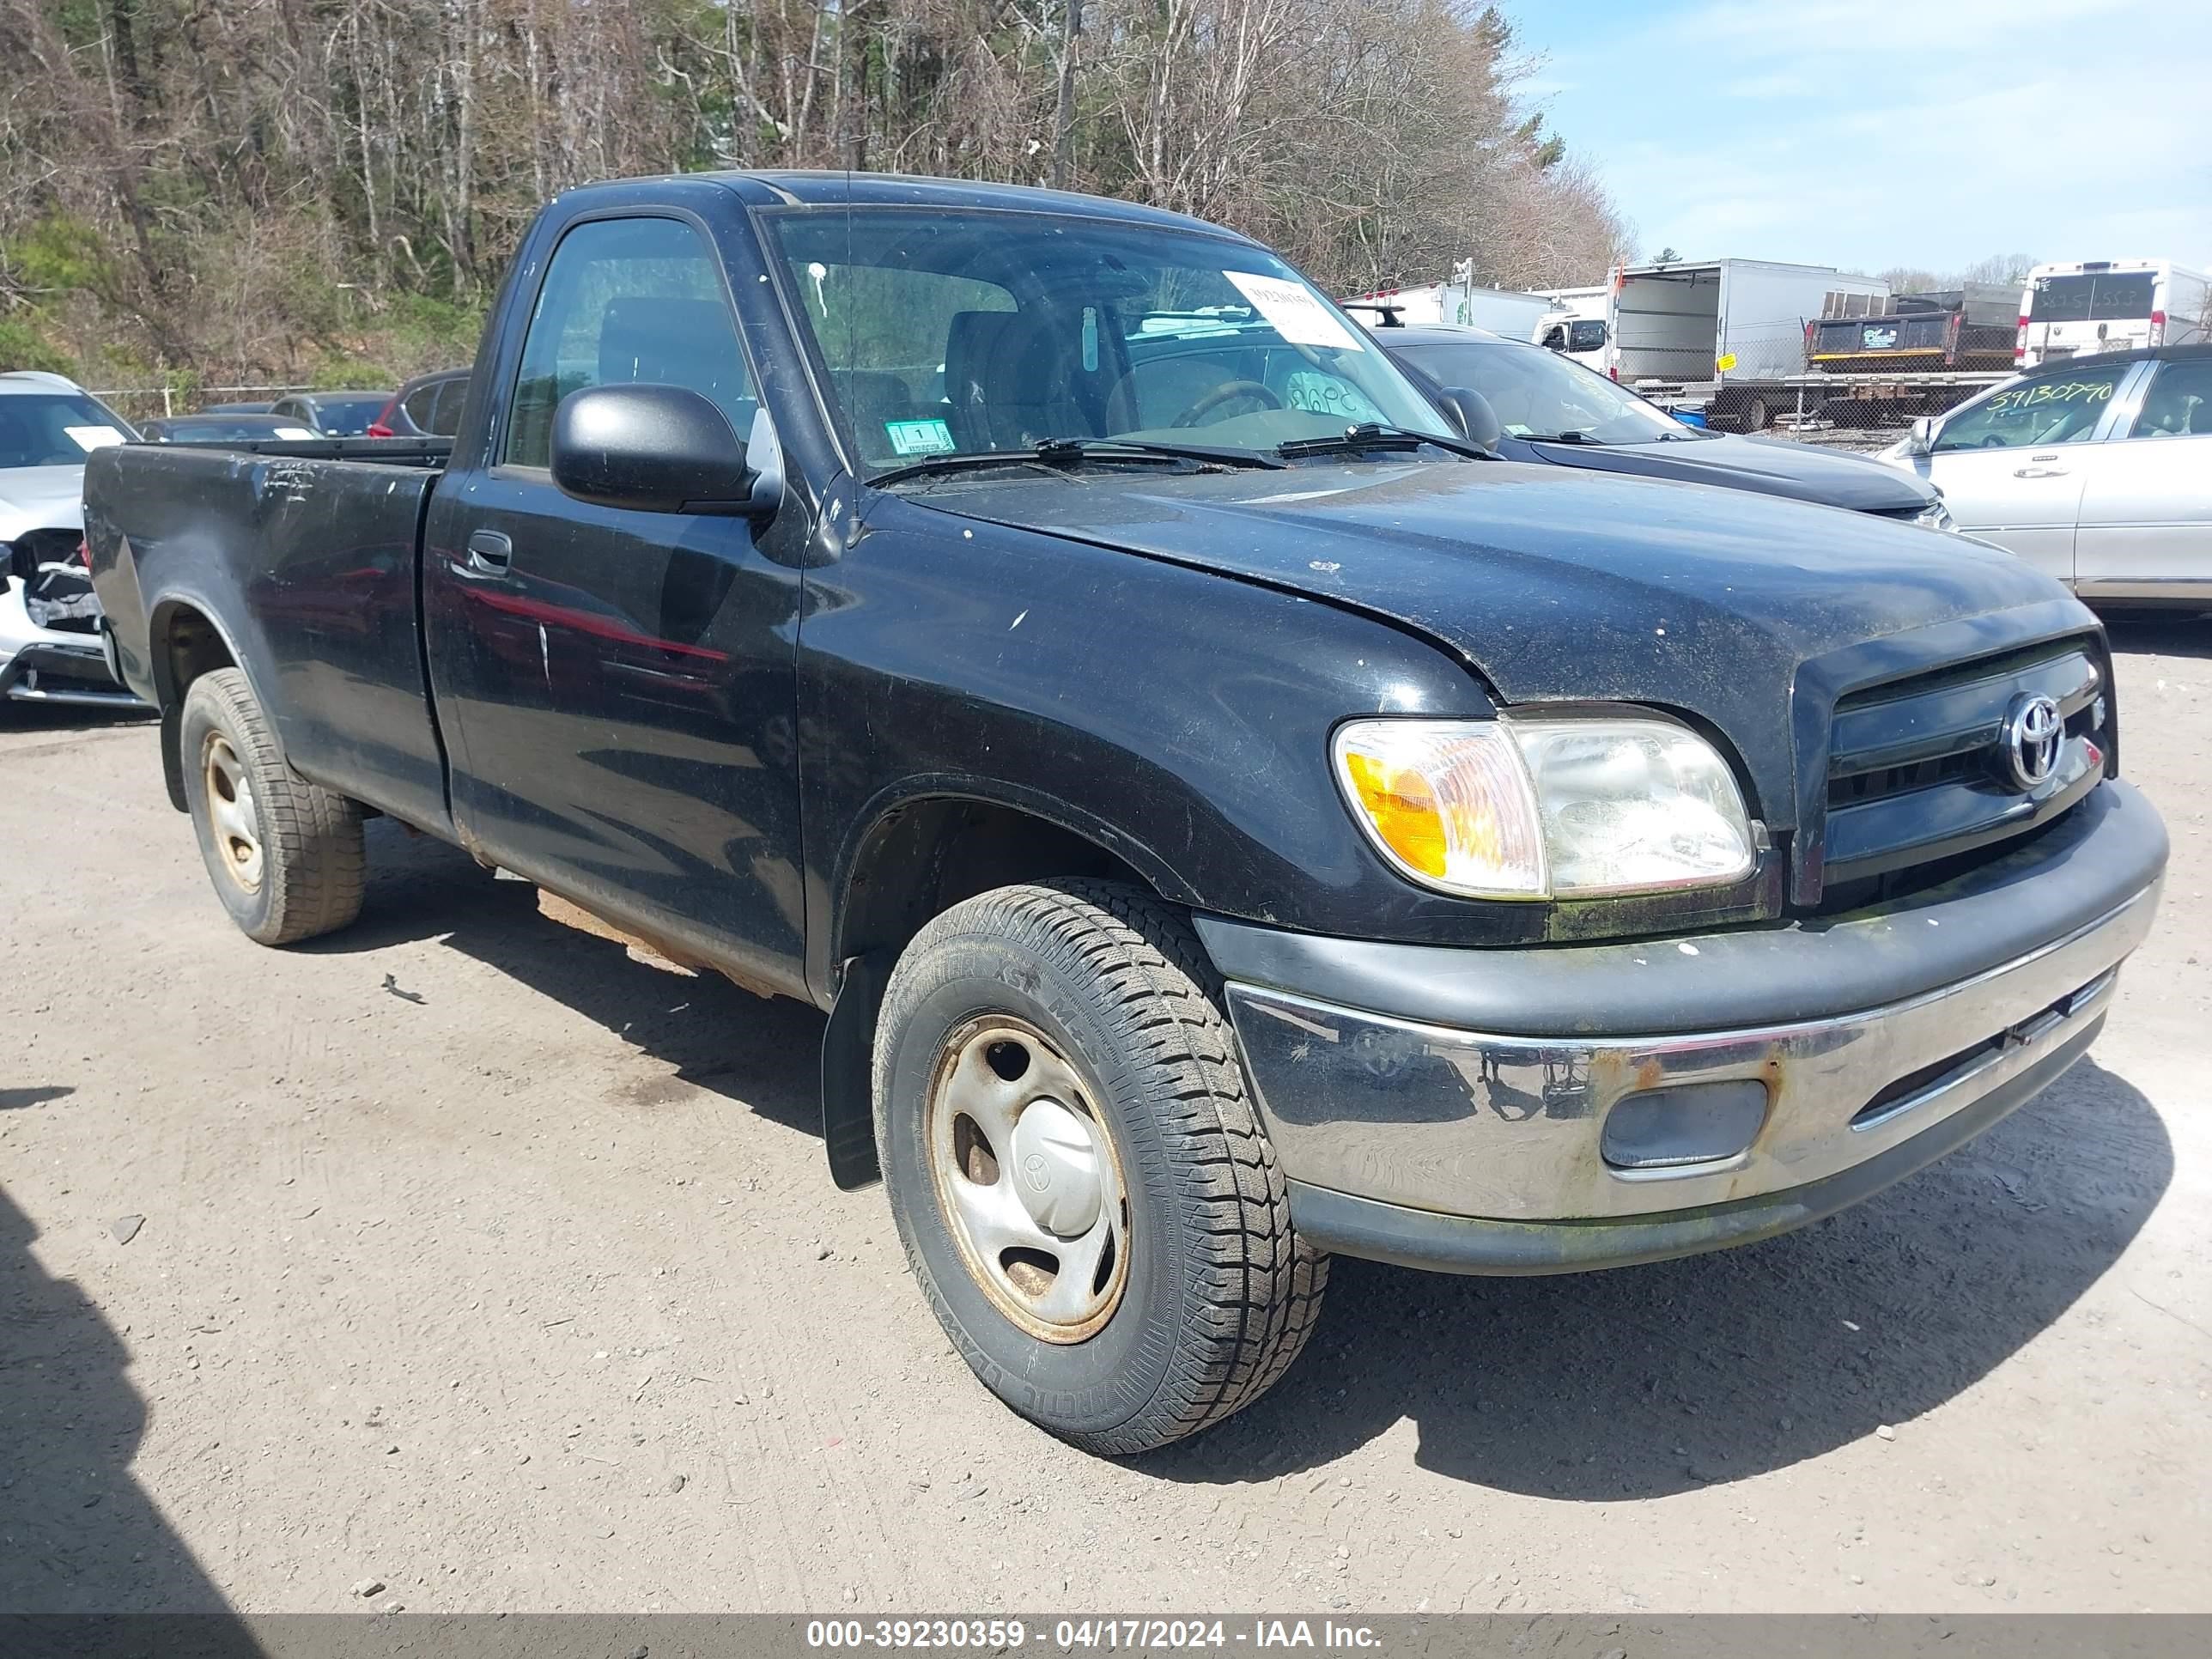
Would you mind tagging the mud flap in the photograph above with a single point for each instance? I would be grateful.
(848, 1045)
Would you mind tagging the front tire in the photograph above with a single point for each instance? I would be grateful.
(286, 856)
(1085, 1193)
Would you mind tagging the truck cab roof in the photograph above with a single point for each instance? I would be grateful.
(801, 188)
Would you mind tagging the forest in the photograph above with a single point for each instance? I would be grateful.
(205, 193)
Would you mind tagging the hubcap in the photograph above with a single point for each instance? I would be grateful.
(1028, 1180)
(231, 813)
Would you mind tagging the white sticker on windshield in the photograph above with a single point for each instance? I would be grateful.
(89, 438)
(1296, 313)
(293, 432)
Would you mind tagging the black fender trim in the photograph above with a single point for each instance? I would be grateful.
(848, 1049)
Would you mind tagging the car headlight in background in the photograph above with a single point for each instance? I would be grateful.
(1935, 516)
(1545, 806)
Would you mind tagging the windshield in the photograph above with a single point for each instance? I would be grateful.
(347, 417)
(225, 429)
(1537, 393)
(59, 428)
(964, 333)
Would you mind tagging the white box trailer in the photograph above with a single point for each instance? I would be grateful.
(1721, 335)
(1499, 310)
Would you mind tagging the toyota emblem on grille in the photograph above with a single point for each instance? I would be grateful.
(2032, 732)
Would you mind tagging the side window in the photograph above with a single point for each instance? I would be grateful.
(1555, 339)
(1586, 336)
(2059, 408)
(2178, 404)
(446, 413)
(626, 300)
(419, 406)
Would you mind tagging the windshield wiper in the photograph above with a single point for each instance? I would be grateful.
(1060, 451)
(1562, 438)
(1059, 455)
(1370, 436)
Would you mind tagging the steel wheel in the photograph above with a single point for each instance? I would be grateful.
(231, 812)
(1028, 1179)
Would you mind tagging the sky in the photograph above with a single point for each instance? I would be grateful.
(1870, 136)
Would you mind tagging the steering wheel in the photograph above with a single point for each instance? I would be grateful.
(1227, 392)
(1994, 440)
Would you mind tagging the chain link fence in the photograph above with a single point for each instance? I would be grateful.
(160, 402)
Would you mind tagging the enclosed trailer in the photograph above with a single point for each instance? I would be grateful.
(1724, 335)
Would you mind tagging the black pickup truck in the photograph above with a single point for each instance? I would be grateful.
(1228, 817)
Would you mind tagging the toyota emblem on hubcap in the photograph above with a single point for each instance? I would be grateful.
(2034, 731)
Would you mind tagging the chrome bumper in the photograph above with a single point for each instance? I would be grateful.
(1389, 1127)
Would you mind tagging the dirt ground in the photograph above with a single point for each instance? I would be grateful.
(473, 1258)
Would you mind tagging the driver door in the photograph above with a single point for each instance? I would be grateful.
(2012, 466)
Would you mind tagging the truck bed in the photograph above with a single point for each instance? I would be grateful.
(311, 549)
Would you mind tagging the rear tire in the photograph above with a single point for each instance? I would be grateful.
(1148, 1284)
(286, 855)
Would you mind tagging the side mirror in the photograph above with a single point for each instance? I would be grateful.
(1921, 441)
(1470, 411)
(650, 448)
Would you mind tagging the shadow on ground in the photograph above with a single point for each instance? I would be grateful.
(762, 1052)
(78, 1535)
(68, 717)
(1645, 1380)
(2166, 633)
(1631, 1384)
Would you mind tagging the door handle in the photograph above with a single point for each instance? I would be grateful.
(2039, 472)
(489, 552)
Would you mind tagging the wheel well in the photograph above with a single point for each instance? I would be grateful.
(184, 645)
(918, 862)
(927, 856)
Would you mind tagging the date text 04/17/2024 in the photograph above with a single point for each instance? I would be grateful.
(1107, 1635)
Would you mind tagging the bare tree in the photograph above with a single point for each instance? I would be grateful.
(248, 188)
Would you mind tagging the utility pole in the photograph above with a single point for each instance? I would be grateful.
(1063, 118)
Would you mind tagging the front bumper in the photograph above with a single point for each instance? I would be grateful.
(53, 664)
(1449, 1108)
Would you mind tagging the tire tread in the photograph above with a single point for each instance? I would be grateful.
(1257, 1286)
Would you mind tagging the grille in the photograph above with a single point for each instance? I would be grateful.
(1917, 771)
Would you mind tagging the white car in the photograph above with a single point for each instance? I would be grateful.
(50, 645)
(2098, 471)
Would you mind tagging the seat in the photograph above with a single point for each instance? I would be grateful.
(1009, 377)
(873, 398)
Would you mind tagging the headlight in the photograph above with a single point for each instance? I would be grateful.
(1935, 516)
(1546, 806)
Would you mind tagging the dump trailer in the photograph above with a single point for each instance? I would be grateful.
(1948, 330)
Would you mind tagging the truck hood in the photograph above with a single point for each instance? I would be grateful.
(40, 498)
(1772, 466)
(1588, 587)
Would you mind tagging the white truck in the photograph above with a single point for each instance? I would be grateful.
(2086, 307)
(1460, 300)
(1721, 335)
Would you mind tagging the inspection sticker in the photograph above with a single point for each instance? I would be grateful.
(1298, 315)
(920, 437)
